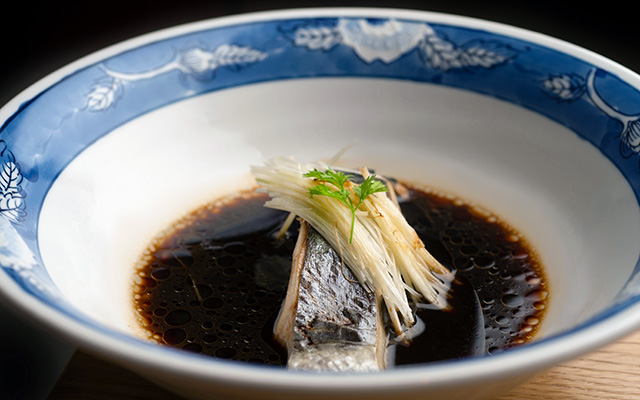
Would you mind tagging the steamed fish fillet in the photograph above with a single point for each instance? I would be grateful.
(328, 321)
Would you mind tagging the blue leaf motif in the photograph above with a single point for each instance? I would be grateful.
(10, 178)
(104, 94)
(322, 38)
(11, 197)
(198, 63)
(630, 139)
(318, 34)
(486, 54)
(12, 208)
(565, 87)
(442, 54)
(202, 64)
(236, 57)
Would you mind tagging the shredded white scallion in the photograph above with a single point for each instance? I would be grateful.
(386, 254)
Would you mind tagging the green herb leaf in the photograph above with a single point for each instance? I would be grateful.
(339, 179)
(368, 187)
(323, 190)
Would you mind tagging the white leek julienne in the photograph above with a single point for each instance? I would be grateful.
(386, 255)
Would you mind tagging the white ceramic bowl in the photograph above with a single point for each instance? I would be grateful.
(100, 156)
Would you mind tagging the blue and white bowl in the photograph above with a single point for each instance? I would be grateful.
(99, 157)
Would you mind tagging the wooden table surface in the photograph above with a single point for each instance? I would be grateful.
(612, 373)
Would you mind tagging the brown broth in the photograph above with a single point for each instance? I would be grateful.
(213, 284)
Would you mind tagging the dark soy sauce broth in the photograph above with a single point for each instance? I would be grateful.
(213, 284)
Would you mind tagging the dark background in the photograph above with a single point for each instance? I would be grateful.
(39, 38)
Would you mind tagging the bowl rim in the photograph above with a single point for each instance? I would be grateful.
(620, 320)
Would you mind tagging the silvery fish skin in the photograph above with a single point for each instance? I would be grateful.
(328, 321)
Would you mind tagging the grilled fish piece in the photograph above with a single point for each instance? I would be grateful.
(328, 321)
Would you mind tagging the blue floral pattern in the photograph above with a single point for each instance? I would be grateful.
(18, 258)
(12, 196)
(197, 62)
(388, 40)
(570, 87)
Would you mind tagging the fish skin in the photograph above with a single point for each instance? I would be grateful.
(329, 321)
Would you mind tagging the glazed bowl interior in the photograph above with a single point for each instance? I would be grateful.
(115, 148)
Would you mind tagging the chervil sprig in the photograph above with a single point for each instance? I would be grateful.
(339, 181)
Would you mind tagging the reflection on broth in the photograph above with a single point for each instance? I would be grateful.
(214, 282)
